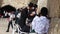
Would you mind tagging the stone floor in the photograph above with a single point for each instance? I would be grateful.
(54, 27)
(3, 27)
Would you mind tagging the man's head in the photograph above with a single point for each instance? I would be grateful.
(30, 5)
(35, 7)
(44, 11)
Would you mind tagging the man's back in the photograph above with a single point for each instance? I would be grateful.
(42, 25)
(23, 17)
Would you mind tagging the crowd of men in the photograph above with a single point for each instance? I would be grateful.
(28, 19)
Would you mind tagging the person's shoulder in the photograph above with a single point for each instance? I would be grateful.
(36, 17)
(44, 19)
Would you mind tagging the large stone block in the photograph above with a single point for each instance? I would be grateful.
(16, 3)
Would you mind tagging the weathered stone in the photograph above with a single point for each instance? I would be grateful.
(16, 3)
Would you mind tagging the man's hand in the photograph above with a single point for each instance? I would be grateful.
(32, 14)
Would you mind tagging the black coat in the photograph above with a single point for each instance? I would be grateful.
(22, 22)
(24, 15)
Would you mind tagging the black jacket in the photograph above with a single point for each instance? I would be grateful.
(24, 15)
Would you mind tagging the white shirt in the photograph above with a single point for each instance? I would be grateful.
(6, 14)
(40, 24)
(11, 17)
(36, 18)
(19, 14)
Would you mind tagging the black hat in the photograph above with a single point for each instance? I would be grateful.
(30, 4)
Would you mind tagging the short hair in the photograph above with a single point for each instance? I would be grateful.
(44, 11)
(30, 4)
(35, 5)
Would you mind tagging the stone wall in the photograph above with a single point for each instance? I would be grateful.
(54, 26)
(1, 2)
(16, 3)
(34, 1)
(53, 6)
(41, 3)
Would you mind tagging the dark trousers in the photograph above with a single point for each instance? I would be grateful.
(17, 20)
(10, 23)
(26, 29)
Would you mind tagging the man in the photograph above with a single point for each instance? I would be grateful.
(24, 16)
(18, 15)
(12, 16)
(41, 23)
(32, 13)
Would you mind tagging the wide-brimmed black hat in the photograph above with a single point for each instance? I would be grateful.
(8, 8)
